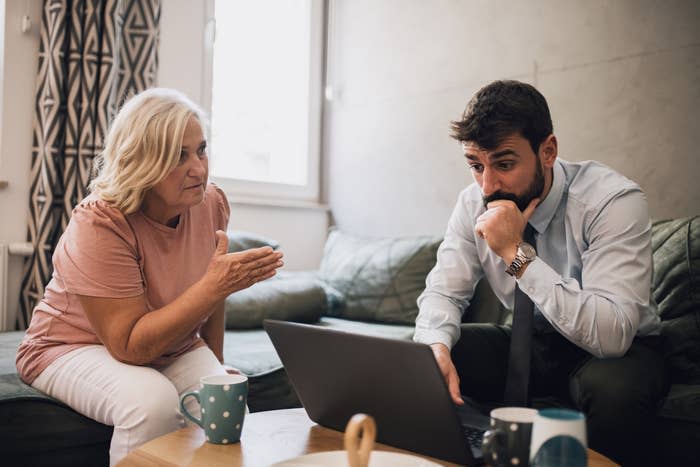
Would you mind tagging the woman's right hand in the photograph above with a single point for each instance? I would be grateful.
(231, 272)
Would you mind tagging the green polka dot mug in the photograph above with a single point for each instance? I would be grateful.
(222, 399)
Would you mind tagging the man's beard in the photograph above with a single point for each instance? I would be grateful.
(522, 201)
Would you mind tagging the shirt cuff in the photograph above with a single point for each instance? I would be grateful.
(433, 336)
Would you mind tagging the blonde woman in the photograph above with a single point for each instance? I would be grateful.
(134, 315)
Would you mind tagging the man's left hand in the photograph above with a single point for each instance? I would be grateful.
(502, 226)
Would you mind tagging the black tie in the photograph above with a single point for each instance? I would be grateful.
(518, 378)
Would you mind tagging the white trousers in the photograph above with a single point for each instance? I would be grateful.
(141, 403)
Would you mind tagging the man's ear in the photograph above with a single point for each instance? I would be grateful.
(548, 151)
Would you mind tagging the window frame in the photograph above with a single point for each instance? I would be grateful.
(266, 192)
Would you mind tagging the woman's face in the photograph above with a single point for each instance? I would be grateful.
(184, 186)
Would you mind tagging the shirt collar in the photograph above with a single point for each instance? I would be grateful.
(545, 211)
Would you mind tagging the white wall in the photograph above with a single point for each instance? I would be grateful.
(622, 78)
(18, 72)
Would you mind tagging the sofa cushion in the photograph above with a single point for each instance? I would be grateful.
(676, 281)
(675, 287)
(239, 240)
(290, 298)
(46, 432)
(379, 278)
(251, 351)
(9, 342)
(681, 403)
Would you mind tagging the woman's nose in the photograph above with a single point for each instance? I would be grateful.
(196, 167)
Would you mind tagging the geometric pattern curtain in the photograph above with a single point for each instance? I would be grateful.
(93, 55)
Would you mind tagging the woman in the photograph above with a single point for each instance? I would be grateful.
(134, 313)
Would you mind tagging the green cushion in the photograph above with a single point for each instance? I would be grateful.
(239, 240)
(39, 430)
(675, 287)
(681, 403)
(9, 342)
(379, 278)
(290, 298)
(676, 282)
(251, 351)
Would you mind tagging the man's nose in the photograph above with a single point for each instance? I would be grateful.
(490, 182)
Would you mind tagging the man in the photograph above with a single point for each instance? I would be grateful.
(590, 339)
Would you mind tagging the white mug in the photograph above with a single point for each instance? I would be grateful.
(558, 439)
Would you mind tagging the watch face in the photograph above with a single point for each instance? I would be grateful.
(528, 250)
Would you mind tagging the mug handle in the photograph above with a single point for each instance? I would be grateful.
(184, 411)
(493, 447)
(359, 451)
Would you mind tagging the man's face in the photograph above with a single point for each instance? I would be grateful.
(511, 171)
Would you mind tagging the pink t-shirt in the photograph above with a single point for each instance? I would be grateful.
(104, 253)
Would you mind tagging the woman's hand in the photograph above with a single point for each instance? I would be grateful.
(231, 272)
(231, 370)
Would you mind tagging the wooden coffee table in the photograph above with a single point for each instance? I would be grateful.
(268, 437)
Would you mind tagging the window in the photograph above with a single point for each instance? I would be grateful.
(265, 84)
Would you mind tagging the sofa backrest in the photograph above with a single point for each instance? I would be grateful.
(675, 287)
(379, 279)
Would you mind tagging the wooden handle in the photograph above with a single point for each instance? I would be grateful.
(358, 453)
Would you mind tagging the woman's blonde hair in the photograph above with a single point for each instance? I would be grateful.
(142, 146)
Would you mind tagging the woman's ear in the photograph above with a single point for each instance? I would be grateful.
(548, 151)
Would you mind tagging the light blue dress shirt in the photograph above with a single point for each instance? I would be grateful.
(592, 277)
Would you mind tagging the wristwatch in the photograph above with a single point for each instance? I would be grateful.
(526, 254)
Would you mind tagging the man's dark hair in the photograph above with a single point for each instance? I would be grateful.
(501, 109)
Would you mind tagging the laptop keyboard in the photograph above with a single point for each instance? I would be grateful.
(473, 436)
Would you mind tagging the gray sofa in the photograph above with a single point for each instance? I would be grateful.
(367, 286)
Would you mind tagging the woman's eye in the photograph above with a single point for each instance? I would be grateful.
(182, 159)
(202, 151)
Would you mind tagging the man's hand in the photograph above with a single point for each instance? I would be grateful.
(502, 226)
(448, 370)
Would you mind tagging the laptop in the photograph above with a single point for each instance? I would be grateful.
(337, 374)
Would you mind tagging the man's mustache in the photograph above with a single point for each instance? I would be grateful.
(500, 195)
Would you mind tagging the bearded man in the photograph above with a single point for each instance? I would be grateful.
(565, 245)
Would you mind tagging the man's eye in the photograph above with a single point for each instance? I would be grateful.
(506, 165)
(476, 167)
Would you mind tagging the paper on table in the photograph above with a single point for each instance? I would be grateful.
(340, 459)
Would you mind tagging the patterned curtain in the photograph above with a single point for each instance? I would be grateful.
(92, 56)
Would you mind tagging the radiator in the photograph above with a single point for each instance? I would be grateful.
(7, 322)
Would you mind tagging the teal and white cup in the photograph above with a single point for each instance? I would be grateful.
(507, 443)
(222, 399)
(559, 439)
